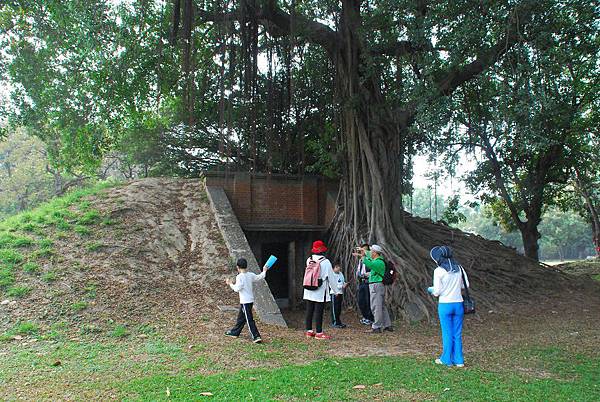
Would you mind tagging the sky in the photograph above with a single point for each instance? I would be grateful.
(446, 186)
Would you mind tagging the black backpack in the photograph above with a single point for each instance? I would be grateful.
(389, 277)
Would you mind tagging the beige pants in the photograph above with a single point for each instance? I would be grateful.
(380, 312)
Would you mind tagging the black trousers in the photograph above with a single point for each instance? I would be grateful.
(245, 317)
(314, 309)
(364, 301)
(336, 309)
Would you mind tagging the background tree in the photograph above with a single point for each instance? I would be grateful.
(24, 178)
(525, 119)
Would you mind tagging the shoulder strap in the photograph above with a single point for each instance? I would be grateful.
(462, 274)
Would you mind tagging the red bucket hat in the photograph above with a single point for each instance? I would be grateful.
(319, 247)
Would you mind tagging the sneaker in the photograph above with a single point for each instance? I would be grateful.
(257, 340)
(373, 331)
(229, 333)
(322, 335)
(310, 334)
(459, 365)
(389, 329)
(438, 361)
(338, 326)
(364, 321)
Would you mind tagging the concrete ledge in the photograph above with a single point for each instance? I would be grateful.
(238, 246)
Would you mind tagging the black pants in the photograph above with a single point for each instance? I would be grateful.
(336, 309)
(364, 301)
(314, 309)
(245, 317)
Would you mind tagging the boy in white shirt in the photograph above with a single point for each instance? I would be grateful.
(338, 284)
(244, 284)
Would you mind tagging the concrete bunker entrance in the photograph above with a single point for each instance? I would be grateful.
(280, 215)
(278, 278)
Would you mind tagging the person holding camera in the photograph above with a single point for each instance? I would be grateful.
(363, 296)
(373, 260)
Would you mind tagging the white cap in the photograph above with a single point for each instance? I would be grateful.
(377, 249)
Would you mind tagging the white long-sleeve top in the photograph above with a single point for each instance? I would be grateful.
(448, 285)
(337, 283)
(322, 293)
(244, 285)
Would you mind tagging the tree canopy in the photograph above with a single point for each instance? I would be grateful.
(350, 89)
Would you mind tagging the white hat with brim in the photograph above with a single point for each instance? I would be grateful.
(377, 249)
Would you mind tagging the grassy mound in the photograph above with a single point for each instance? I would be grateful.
(111, 259)
(27, 240)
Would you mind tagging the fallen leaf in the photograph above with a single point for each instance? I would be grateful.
(56, 363)
(17, 337)
(252, 378)
(168, 392)
(359, 386)
(206, 393)
(379, 384)
(446, 389)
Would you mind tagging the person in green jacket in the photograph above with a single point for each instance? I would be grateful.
(374, 261)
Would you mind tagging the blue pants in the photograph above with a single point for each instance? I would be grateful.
(451, 320)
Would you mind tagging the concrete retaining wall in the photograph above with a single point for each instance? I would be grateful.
(238, 246)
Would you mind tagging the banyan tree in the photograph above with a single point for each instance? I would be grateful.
(392, 68)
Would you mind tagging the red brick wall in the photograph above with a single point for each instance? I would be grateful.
(278, 199)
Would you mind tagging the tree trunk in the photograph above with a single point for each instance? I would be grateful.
(582, 186)
(370, 207)
(530, 236)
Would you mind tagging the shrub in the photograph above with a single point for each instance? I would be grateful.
(8, 256)
(31, 267)
(94, 246)
(82, 230)
(120, 331)
(49, 276)
(18, 291)
(26, 328)
(7, 277)
(9, 240)
(89, 218)
(78, 306)
(45, 243)
(43, 253)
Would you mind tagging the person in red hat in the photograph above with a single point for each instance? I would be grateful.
(317, 289)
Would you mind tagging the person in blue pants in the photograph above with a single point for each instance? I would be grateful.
(447, 287)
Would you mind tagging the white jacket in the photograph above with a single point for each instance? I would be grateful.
(322, 293)
(448, 285)
(337, 283)
(244, 285)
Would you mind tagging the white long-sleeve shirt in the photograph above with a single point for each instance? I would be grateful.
(244, 285)
(337, 283)
(448, 285)
(322, 293)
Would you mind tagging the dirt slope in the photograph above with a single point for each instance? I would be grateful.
(153, 255)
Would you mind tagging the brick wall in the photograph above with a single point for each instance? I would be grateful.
(278, 199)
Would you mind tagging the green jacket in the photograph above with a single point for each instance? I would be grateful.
(376, 266)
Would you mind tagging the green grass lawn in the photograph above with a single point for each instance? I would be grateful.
(391, 378)
(155, 369)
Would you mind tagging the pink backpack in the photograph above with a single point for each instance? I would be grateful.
(312, 274)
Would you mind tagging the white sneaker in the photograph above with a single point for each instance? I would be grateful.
(257, 340)
(459, 365)
(438, 361)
